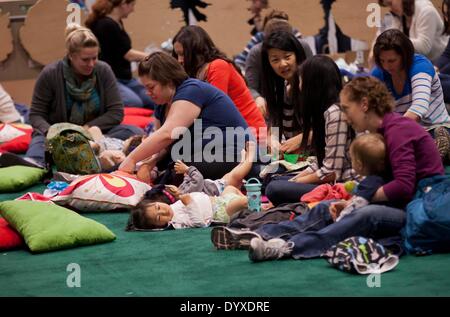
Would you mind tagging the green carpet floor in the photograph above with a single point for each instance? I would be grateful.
(185, 263)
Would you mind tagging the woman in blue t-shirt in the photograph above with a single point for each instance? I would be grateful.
(414, 83)
(210, 130)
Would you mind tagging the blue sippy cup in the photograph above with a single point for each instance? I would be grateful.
(253, 188)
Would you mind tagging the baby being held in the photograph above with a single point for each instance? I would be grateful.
(368, 155)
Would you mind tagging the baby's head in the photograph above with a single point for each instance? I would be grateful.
(149, 214)
(154, 211)
(368, 154)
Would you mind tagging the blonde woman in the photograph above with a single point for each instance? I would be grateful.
(78, 89)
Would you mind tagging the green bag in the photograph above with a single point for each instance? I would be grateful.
(70, 150)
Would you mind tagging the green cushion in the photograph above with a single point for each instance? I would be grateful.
(47, 227)
(17, 178)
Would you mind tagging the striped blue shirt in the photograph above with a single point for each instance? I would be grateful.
(422, 93)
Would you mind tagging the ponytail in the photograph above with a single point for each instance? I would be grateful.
(102, 8)
(79, 37)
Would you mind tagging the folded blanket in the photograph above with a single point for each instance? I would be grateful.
(326, 192)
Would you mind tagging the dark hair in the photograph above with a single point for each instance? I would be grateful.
(397, 41)
(321, 84)
(160, 193)
(379, 99)
(135, 141)
(446, 15)
(198, 49)
(137, 219)
(408, 6)
(273, 87)
(163, 68)
(102, 8)
(370, 149)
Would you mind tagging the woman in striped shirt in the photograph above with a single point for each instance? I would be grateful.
(414, 83)
(320, 86)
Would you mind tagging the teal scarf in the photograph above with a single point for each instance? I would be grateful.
(83, 101)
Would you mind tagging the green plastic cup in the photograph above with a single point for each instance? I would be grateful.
(291, 158)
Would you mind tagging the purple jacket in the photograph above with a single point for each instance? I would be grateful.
(413, 156)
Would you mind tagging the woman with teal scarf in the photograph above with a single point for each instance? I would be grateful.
(78, 89)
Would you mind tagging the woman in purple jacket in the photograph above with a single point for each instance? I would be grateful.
(412, 156)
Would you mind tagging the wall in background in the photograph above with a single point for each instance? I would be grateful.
(39, 39)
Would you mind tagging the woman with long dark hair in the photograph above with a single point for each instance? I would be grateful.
(281, 55)
(320, 85)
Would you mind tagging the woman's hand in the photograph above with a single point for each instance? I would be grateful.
(412, 115)
(128, 165)
(262, 105)
(174, 191)
(110, 158)
(436, 69)
(274, 146)
(292, 145)
(144, 172)
(298, 178)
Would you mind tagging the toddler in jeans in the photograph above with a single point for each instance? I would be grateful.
(368, 155)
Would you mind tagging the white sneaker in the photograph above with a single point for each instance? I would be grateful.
(273, 249)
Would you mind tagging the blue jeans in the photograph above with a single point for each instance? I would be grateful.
(36, 150)
(134, 94)
(280, 190)
(315, 232)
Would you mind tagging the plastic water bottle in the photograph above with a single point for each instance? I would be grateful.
(253, 188)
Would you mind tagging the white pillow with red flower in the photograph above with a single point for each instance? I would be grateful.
(103, 192)
(15, 137)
